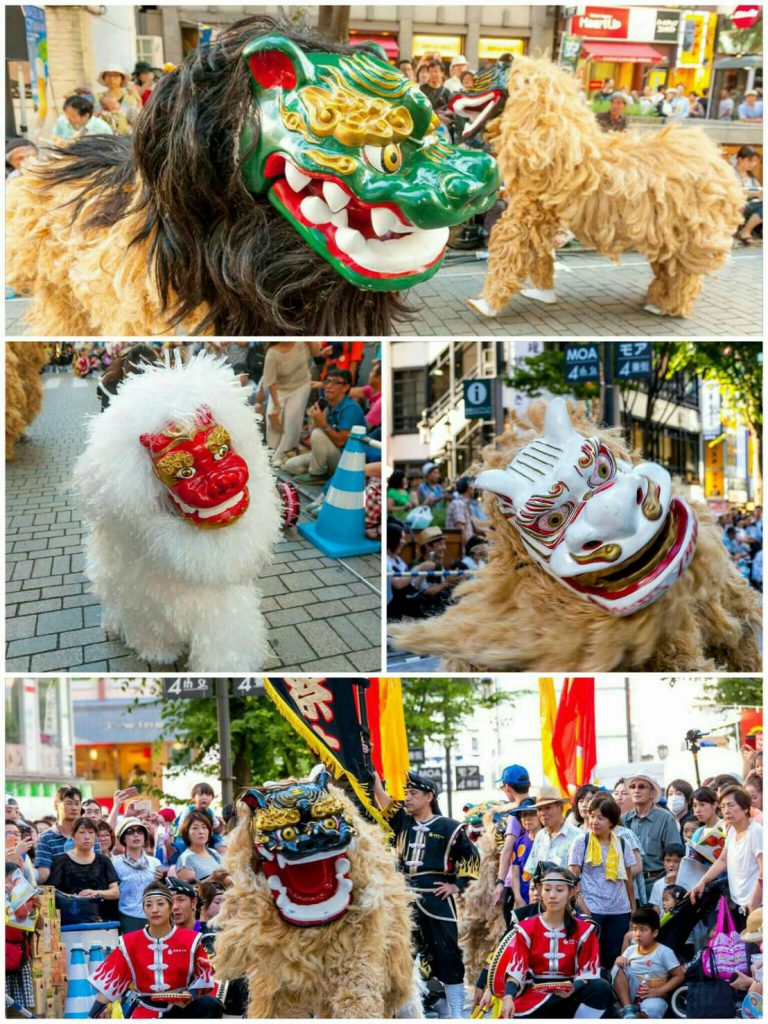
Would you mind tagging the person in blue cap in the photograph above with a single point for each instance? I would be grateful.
(516, 784)
(439, 861)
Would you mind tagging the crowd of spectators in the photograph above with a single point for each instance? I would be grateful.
(654, 871)
(743, 538)
(438, 526)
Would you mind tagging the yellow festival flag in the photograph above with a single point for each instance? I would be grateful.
(386, 722)
(548, 712)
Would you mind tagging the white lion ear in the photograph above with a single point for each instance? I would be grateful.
(557, 422)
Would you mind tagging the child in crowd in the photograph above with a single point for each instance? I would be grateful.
(688, 828)
(671, 856)
(672, 895)
(647, 972)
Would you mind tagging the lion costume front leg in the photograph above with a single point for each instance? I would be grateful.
(673, 290)
(519, 249)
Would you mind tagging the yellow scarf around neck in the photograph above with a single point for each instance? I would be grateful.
(614, 858)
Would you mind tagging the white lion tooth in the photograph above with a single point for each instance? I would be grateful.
(281, 862)
(342, 866)
(294, 177)
(349, 240)
(335, 196)
(315, 210)
(382, 220)
(340, 219)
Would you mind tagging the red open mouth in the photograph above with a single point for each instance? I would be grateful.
(311, 890)
(223, 514)
(375, 240)
(476, 108)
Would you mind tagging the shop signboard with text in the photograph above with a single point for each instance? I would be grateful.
(601, 23)
(633, 24)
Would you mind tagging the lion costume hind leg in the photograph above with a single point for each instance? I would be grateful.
(359, 964)
(520, 249)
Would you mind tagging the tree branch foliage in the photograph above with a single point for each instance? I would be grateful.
(436, 709)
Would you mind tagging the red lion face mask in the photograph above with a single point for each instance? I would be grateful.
(205, 478)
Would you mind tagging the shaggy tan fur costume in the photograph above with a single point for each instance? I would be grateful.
(358, 966)
(481, 923)
(23, 388)
(122, 297)
(669, 195)
(514, 616)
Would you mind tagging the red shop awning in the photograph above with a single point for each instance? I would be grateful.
(621, 53)
(388, 42)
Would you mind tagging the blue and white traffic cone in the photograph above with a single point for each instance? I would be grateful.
(339, 530)
(80, 992)
(96, 955)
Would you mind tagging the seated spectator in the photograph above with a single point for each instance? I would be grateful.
(78, 120)
(371, 392)
(459, 512)
(745, 166)
(614, 119)
(398, 499)
(751, 109)
(430, 493)
(198, 860)
(725, 106)
(16, 152)
(287, 383)
(333, 418)
(475, 554)
(84, 879)
(646, 973)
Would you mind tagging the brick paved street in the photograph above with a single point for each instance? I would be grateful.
(596, 297)
(323, 614)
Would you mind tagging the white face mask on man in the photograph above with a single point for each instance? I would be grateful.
(676, 803)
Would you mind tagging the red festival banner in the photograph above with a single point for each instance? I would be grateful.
(574, 743)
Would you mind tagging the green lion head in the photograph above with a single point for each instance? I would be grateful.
(347, 149)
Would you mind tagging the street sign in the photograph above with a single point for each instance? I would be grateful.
(416, 755)
(436, 774)
(187, 688)
(468, 776)
(250, 687)
(582, 362)
(633, 360)
(745, 15)
(478, 403)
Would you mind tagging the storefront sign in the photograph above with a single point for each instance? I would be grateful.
(745, 16)
(37, 47)
(446, 46)
(492, 49)
(601, 23)
(595, 83)
(633, 360)
(666, 26)
(468, 776)
(694, 38)
(709, 397)
(570, 48)
(582, 362)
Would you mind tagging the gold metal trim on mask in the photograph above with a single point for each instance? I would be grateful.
(269, 818)
(384, 82)
(339, 164)
(326, 807)
(353, 119)
(651, 507)
(167, 466)
(606, 553)
(218, 436)
(603, 580)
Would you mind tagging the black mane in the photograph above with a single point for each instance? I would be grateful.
(212, 241)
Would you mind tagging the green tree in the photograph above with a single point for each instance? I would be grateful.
(737, 367)
(436, 709)
(744, 692)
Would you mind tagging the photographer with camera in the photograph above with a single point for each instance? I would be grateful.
(333, 417)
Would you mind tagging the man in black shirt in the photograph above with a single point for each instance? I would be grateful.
(433, 88)
(439, 861)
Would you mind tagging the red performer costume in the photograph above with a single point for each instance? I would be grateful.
(533, 954)
(176, 962)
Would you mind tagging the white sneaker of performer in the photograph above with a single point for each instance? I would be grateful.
(482, 306)
(546, 295)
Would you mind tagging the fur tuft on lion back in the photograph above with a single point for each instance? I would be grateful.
(514, 616)
(360, 965)
(481, 923)
(23, 388)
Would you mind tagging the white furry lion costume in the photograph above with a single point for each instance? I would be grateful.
(595, 565)
(318, 918)
(669, 195)
(182, 515)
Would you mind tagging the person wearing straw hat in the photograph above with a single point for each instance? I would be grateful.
(167, 966)
(118, 86)
(439, 861)
(553, 842)
(654, 826)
